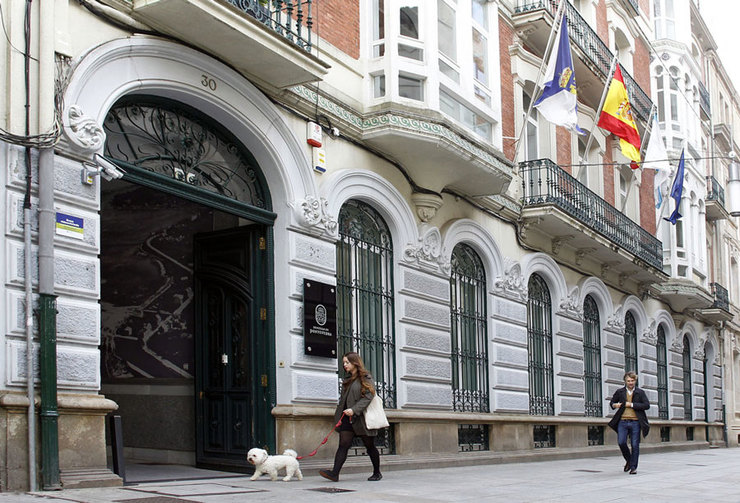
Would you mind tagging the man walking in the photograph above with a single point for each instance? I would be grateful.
(630, 419)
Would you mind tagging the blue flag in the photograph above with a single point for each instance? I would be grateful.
(558, 102)
(676, 191)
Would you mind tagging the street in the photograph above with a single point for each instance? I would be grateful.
(708, 475)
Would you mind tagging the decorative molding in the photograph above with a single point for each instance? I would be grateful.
(677, 345)
(570, 305)
(426, 205)
(511, 283)
(314, 212)
(606, 267)
(616, 322)
(397, 121)
(581, 254)
(650, 335)
(83, 131)
(526, 224)
(557, 243)
(428, 252)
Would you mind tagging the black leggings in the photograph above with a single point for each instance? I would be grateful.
(345, 442)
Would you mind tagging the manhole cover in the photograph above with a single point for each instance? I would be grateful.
(332, 490)
(588, 471)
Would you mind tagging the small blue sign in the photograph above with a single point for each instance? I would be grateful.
(69, 226)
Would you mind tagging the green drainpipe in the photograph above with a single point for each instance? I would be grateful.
(48, 376)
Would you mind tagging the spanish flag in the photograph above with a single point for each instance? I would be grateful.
(616, 117)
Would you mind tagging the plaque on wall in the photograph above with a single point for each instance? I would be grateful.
(319, 319)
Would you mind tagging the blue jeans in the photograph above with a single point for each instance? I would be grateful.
(633, 429)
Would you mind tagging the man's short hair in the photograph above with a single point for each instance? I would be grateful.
(629, 374)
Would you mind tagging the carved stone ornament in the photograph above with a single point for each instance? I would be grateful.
(581, 254)
(314, 212)
(570, 306)
(677, 345)
(511, 284)
(616, 322)
(428, 250)
(557, 243)
(426, 205)
(650, 335)
(84, 131)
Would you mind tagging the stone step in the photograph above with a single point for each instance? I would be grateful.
(90, 477)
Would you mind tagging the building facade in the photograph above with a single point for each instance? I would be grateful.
(165, 213)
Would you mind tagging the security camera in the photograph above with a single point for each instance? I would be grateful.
(108, 170)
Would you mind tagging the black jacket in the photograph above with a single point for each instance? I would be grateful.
(640, 404)
(353, 397)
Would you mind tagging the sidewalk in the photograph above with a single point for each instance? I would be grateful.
(707, 475)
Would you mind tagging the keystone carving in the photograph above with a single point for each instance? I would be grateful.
(314, 212)
(84, 131)
(428, 250)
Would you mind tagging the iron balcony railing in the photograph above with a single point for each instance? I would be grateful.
(546, 183)
(721, 297)
(704, 102)
(715, 191)
(634, 5)
(292, 20)
(598, 54)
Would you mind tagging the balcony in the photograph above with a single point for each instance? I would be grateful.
(723, 135)
(704, 103)
(632, 7)
(715, 201)
(592, 53)
(269, 41)
(684, 295)
(560, 210)
(720, 308)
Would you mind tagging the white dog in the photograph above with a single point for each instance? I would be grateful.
(264, 463)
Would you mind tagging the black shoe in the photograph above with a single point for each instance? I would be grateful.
(627, 466)
(328, 474)
(633, 471)
(375, 476)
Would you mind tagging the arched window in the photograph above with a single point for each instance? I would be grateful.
(469, 331)
(630, 343)
(592, 357)
(539, 347)
(687, 400)
(365, 294)
(662, 374)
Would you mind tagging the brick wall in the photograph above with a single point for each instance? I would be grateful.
(338, 22)
(602, 27)
(647, 201)
(609, 170)
(641, 65)
(506, 38)
(564, 151)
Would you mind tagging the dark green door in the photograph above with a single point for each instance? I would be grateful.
(231, 375)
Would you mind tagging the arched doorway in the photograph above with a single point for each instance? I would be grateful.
(186, 265)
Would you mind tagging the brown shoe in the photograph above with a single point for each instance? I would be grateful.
(328, 474)
(627, 466)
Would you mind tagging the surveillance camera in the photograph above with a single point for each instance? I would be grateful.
(108, 170)
(334, 132)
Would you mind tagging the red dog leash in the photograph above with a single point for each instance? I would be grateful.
(339, 423)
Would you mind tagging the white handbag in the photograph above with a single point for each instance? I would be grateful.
(375, 415)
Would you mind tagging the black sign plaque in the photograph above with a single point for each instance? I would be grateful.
(319, 319)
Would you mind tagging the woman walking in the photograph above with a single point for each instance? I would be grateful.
(357, 392)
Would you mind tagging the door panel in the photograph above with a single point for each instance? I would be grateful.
(227, 327)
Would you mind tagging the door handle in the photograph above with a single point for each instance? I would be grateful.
(224, 359)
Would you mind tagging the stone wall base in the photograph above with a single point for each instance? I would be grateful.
(81, 434)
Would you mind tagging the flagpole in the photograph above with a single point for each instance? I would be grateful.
(648, 131)
(598, 112)
(548, 52)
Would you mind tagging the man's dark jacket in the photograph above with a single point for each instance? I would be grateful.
(639, 402)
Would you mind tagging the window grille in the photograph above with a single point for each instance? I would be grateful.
(592, 357)
(469, 331)
(472, 437)
(630, 343)
(544, 436)
(686, 367)
(662, 374)
(595, 435)
(365, 295)
(539, 347)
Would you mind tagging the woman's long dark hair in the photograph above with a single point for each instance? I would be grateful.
(360, 372)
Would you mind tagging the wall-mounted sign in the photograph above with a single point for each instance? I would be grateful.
(319, 319)
(69, 226)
